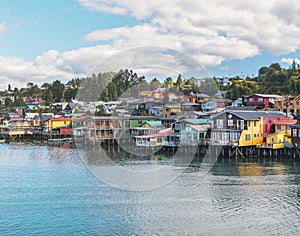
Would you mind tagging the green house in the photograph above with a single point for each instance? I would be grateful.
(193, 134)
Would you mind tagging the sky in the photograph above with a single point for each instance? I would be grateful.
(41, 41)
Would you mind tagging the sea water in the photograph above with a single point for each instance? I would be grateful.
(49, 191)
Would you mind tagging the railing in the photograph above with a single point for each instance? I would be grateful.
(169, 144)
(232, 127)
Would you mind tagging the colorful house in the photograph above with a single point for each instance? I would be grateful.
(147, 128)
(171, 110)
(260, 100)
(188, 131)
(295, 132)
(243, 128)
(104, 127)
(59, 125)
(152, 140)
(193, 134)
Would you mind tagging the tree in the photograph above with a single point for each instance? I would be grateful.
(209, 87)
(8, 102)
(29, 84)
(168, 82)
(9, 87)
(57, 89)
(179, 81)
(49, 97)
(18, 100)
(276, 66)
(70, 94)
(154, 84)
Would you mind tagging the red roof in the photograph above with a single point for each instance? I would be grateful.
(61, 119)
(16, 118)
(286, 122)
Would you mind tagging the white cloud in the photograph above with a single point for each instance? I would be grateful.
(209, 32)
(3, 28)
(290, 60)
(250, 26)
(19, 71)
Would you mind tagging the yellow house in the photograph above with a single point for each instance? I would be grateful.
(276, 140)
(145, 93)
(171, 110)
(253, 135)
(282, 134)
(55, 123)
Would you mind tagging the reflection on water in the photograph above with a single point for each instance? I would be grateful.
(48, 190)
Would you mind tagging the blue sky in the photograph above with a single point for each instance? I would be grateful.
(45, 40)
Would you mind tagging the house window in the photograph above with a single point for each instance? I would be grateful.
(298, 132)
(279, 127)
(260, 99)
(254, 123)
(294, 132)
(272, 140)
(254, 135)
(225, 137)
(248, 137)
(230, 122)
(240, 124)
(251, 99)
(219, 124)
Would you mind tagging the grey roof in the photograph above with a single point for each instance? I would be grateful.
(244, 108)
(223, 100)
(251, 115)
(254, 115)
(200, 95)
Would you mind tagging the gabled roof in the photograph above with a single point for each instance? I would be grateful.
(154, 124)
(264, 95)
(251, 115)
(200, 127)
(198, 121)
(244, 108)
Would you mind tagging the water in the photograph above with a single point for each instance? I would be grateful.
(49, 191)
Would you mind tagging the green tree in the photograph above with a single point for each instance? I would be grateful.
(57, 89)
(168, 82)
(8, 102)
(70, 94)
(18, 100)
(49, 97)
(209, 87)
(179, 81)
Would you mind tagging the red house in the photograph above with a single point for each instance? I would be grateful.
(260, 100)
(269, 123)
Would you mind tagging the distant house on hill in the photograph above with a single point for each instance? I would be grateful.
(260, 100)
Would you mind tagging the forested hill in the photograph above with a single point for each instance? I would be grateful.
(109, 86)
(270, 80)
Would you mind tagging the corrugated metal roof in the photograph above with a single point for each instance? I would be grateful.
(154, 123)
(198, 121)
(254, 115)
